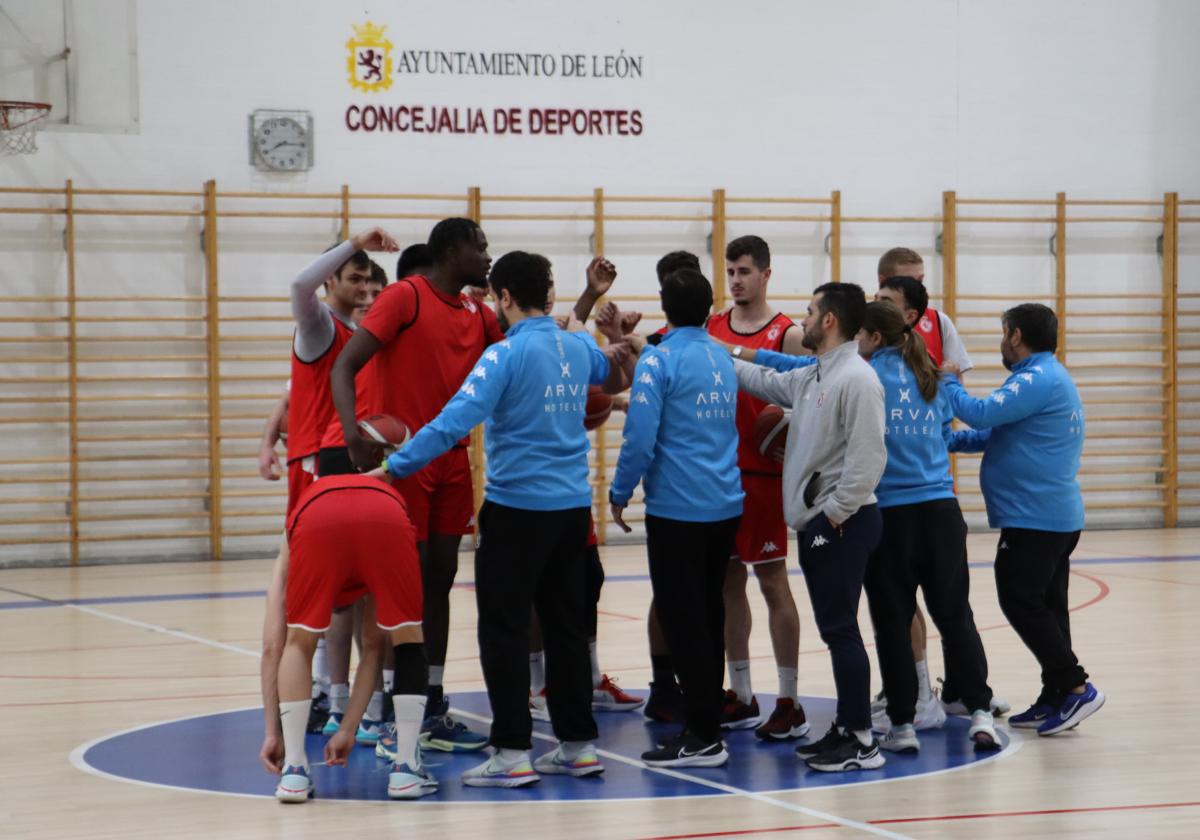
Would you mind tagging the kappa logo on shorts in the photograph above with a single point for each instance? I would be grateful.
(1003, 545)
(769, 546)
(819, 540)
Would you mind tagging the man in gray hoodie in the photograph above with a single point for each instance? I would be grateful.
(835, 457)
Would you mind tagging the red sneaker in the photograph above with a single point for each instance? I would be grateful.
(739, 715)
(608, 697)
(785, 723)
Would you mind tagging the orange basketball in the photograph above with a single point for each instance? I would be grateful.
(599, 407)
(770, 431)
(385, 429)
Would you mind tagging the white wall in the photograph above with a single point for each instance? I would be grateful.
(890, 103)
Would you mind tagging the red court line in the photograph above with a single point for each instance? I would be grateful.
(621, 615)
(1104, 592)
(1154, 579)
(90, 701)
(940, 818)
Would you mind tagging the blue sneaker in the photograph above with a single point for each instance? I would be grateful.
(1075, 709)
(295, 785)
(331, 725)
(448, 735)
(368, 732)
(385, 747)
(493, 773)
(1031, 718)
(406, 782)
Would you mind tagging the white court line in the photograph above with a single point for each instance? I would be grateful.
(736, 791)
(158, 628)
(76, 756)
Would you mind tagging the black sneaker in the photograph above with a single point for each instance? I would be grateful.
(665, 703)
(687, 751)
(849, 754)
(828, 741)
(318, 714)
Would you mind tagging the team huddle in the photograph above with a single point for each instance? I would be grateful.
(740, 426)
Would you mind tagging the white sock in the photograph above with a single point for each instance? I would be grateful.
(571, 750)
(787, 684)
(410, 711)
(510, 758)
(739, 679)
(375, 707)
(924, 690)
(293, 717)
(863, 736)
(597, 677)
(389, 679)
(320, 669)
(339, 693)
(537, 671)
(435, 674)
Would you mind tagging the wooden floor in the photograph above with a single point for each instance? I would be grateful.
(102, 658)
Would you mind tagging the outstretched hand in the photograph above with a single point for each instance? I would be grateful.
(375, 239)
(608, 321)
(600, 276)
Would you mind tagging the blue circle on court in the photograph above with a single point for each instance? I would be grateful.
(218, 753)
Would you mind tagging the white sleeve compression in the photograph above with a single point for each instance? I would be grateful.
(314, 321)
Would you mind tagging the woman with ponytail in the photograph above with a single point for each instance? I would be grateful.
(924, 539)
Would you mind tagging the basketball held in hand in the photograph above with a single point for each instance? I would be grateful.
(386, 430)
(770, 432)
(599, 407)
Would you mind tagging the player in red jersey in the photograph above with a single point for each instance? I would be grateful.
(424, 335)
(762, 535)
(348, 535)
(331, 674)
(322, 330)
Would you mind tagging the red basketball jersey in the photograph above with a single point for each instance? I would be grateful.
(430, 342)
(311, 403)
(929, 327)
(768, 337)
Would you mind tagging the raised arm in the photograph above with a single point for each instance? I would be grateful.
(314, 321)
(600, 276)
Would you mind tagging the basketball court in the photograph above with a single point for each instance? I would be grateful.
(130, 693)
(166, 167)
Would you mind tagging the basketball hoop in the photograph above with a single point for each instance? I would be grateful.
(19, 124)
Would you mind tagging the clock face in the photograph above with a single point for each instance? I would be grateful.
(282, 143)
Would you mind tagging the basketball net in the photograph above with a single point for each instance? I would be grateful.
(19, 124)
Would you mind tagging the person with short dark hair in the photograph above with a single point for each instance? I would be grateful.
(681, 437)
(415, 259)
(751, 323)
(834, 458)
(1031, 431)
(531, 391)
(421, 337)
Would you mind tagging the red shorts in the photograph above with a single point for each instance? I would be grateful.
(762, 534)
(440, 498)
(298, 480)
(347, 537)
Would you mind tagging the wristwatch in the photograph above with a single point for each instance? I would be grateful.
(736, 352)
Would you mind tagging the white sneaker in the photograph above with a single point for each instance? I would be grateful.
(930, 714)
(1000, 707)
(537, 706)
(586, 763)
(495, 773)
(900, 739)
(407, 782)
(983, 730)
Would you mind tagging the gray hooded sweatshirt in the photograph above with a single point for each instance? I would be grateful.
(835, 451)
